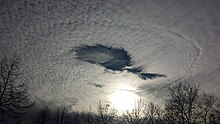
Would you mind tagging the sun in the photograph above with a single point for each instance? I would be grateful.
(124, 99)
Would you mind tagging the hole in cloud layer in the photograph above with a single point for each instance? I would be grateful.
(116, 59)
(111, 58)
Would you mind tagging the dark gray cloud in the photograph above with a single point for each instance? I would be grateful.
(150, 75)
(110, 58)
(116, 59)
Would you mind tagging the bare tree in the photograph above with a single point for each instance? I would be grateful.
(87, 117)
(75, 117)
(206, 104)
(154, 114)
(106, 114)
(42, 117)
(182, 103)
(62, 116)
(137, 115)
(14, 98)
(214, 115)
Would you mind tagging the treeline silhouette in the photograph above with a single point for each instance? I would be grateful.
(185, 104)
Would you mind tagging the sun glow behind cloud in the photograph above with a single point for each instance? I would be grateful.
(124, 98)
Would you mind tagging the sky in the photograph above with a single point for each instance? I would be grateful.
(69, 48)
